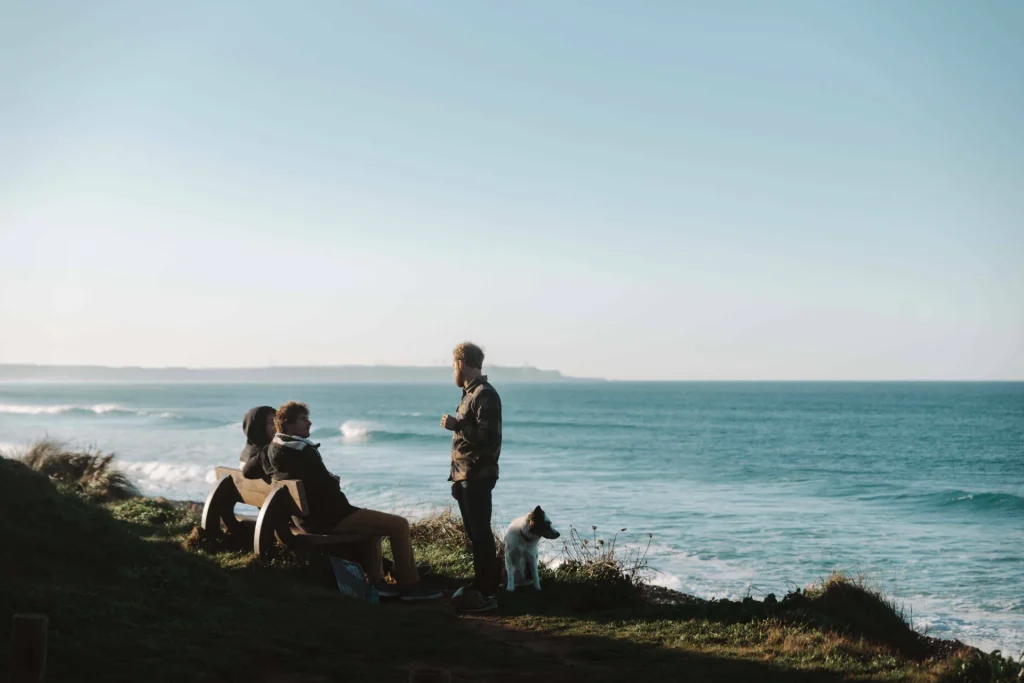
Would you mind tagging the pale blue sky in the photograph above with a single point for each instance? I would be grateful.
(671, 190)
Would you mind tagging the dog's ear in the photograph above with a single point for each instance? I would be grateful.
(537, 512)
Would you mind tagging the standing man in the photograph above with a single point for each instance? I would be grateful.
(476, 445)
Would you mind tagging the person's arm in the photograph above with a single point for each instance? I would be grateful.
(305, 464)
(253, 468)
(485, 429)
(313, 467)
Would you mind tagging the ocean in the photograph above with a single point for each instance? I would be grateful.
(740, 488)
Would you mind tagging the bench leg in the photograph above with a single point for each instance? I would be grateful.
(275, 516)
(220, 507)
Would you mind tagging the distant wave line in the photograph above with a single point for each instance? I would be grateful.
(66, 409)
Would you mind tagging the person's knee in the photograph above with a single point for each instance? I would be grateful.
(399, 525)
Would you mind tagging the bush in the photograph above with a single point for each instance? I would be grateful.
(87, 472)
(595, 575)
(976, 666)
(443, 528)
(847, 605)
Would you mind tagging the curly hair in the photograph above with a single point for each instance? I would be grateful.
(288, 412)
(470, 354)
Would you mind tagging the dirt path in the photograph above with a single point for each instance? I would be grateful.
(552, 646)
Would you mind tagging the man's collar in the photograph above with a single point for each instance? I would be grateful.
(288, 438)
(474, 384)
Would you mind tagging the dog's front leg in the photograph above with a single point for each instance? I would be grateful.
(510, 570)
(536, 570)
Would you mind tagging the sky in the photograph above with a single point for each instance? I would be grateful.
(632, 190)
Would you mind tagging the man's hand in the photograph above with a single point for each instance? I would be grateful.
(450, 423)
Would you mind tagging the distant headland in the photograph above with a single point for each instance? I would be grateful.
(312, 374)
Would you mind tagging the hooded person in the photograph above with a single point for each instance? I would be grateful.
(258, 425)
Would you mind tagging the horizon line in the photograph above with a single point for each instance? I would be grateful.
(559, 373)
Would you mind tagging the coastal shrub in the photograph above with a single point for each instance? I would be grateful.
(88, 472)
(443, 528)
(848, 605)
(974, 666)
(594, 574)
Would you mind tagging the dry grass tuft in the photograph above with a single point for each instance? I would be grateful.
(89, 472)
(443, 528)
(850, 606)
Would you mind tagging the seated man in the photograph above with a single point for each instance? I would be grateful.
(293, 456)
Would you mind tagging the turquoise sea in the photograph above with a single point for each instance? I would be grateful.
(747, 488)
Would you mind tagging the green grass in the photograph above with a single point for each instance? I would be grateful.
(440, 541)
(128, 602)
(134, 592)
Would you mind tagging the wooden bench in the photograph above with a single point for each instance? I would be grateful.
(278, 503)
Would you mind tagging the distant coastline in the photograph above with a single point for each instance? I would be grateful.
(328, 374)
(383, 374)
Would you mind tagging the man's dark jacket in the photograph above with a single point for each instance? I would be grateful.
(293, 457)
(476, 443)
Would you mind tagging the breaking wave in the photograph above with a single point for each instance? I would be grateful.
(98, 409)
(356, 432)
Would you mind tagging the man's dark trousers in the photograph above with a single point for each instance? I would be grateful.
(474, 496)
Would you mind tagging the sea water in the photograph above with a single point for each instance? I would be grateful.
(739, 488)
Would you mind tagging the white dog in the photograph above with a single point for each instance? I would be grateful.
(521, 541)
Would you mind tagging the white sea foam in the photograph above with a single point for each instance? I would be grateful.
(951, 617)
(62, 409)
(352, 430)
(36, 410)
(8, 448)
(665, 580)
(156, 477)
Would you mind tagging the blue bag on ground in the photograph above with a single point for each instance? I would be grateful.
(352, 581)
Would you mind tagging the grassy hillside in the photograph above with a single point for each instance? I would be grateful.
(135, 593)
